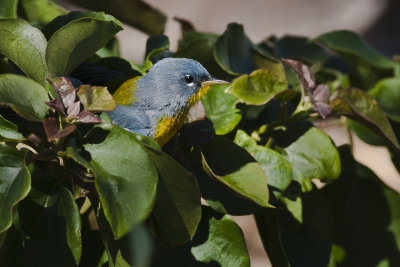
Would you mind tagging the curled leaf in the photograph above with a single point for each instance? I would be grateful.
(53, 131)
(88, 117)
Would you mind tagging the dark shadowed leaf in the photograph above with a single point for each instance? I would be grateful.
(236, 168)
(96, 98)
(125, 175)
(260, 87)
(349, 43)
(19, 38)
(310, 161)
(300, 48)
(53, 131)
(8, 9)
(233, 51)
(264, 61)
(24, 96)
(186, 26)
(177, 210)
(133, 12)
(307, 242)
(80, 39)
(225, 244)
(9, 131)
(277, 169)
(220, 109)
(41, 11)
(68, 209)
(15, 183)
(387, 93)
(154, 46)
(362, 107)
(363, 209)
(270, 233)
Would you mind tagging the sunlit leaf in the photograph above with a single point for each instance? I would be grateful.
(234, 167)
(387, 93)
(95, 98)
(9, 131)
(18, 38)
(310, 161)
(41, 11)
(220, 109)
(260, 87)
(24, 96)
(79, 39)
(126, 179)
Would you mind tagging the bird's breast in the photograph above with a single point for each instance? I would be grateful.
(168, 126)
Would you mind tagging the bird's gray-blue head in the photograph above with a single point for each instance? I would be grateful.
(180, 79)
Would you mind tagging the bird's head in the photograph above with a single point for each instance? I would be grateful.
(181, 80)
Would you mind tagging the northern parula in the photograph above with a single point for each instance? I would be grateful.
(157, 104)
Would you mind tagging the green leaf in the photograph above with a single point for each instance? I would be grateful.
(277, 169)
(233, 51)
(387, 93)
(95, 98)
(234, 167)
(24, 96)
(41, 11)
(362, 107)
(260, 87)
(350, 44)
(68, 209)
(220, 109)
(15, 183)
(19, 38)
(264, 61)
(225, 244)
(313, 156)
(177, 209)
(9, 131)
(78, 40)
(133, 12)
(126, 179)
(8, 9)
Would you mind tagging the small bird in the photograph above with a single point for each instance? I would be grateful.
(157, 104)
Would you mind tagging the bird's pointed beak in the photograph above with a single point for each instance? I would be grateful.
(213, 81)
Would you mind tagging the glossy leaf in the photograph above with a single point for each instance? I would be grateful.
(177, 209)
(80, 39)
(15, 183)
(387, 93)
(221, 110)
(349, 43)
(133, 12)
(9, 131)
(233, 51)
(260, 87)
(225, 244)
(311, 161)
(24, 96)
(96, 98)
(362, 107)
(8, 9)
(236, 168)
(41, 11)
(277, 169)
(68, 209)
(18, 38)
(125, 175)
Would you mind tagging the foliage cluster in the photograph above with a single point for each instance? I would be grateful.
(77, 190)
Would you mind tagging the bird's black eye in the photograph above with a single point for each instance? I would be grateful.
(189, 78)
